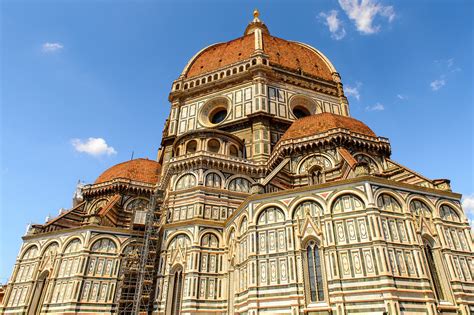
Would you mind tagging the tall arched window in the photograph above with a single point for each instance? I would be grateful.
(213, 180)
(186, 181)
(233, 151)
(104, 245)
(177, 288)
(213, 145)
(388, 203)
(271, 215)
(240, 184)
(419, 208)
(348, 203)
(428, 249)
(449, 214)
(307, 207)
(209, 240)
(191, 147)
(314, 272)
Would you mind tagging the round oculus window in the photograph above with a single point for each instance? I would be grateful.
(300, 112)
(218, 116)
(214, 112)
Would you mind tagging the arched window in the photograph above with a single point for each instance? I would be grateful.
(209, 240)
(348, 203)
(176, 288)
(243, 226)
(31, 252)
(429, 255)
(419, 208)
(179, 241)
(240, 184)
(73, 246)
(213, 180)
(186, 181)
(213, 145)
(316, 175)
(51, 250)
(233, 151)
(271, 215)
(388, 203)
(191, 147)
(314, 273)
(307, 207)
(449, 214)
(104, 245)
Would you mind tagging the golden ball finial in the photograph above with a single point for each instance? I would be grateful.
(256, 13)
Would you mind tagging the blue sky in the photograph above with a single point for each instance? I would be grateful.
(85, 83)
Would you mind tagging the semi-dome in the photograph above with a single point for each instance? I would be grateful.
(284, 54)
(319, 123)
(140, 170)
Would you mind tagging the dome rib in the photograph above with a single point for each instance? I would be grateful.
(140, 170)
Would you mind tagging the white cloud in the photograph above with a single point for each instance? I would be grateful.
(376, 107)
(468, 205)
(51, 47)
(334, 24)
(353, 91)
(401, 97)
(363, 13)
(438, 84)
(93, 146)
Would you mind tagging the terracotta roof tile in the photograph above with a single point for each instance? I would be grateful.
(323, 122)
(141, 170)
(295, 56)
(282, 53)
(221, 55)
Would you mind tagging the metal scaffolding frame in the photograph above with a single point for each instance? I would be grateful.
(136, 286)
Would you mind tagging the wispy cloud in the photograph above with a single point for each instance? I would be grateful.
(437, 84)
(401, 97)
(468, 205)
(51, 47)
(377, 107)
(353, 91)
(448, 65)
(93, 146)
(364, 12)
(334, 24)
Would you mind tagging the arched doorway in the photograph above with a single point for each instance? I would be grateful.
(39, 293)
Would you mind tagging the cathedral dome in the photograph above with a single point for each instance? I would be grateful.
(319, 123)
(283, 54)
(140, 170)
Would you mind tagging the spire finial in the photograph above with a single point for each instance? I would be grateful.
(256, 14)
(256, 24)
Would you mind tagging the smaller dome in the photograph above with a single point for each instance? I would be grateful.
(140, 170)
(319, 123)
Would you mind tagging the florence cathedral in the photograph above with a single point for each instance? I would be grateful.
(266, 197)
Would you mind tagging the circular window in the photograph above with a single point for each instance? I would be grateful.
(302, 106)
(218, 115)
(214, 111)
(300, 112)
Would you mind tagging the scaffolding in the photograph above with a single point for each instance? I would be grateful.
(136, 287)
